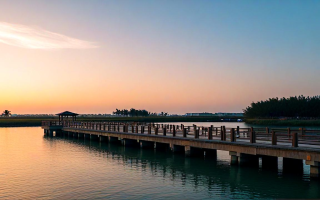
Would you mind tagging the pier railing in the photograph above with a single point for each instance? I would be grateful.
(269, 136)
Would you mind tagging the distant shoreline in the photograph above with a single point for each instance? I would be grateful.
(32, 122)
(18, 126)
(36, 122)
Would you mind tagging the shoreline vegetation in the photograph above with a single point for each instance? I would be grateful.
(292, 111)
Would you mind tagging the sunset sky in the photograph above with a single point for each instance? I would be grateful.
(174, 56)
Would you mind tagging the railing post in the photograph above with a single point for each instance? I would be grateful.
(267, 130)
(295, 140)
(184, 132)
(156, 130)
(164, 131)
(149, 129)
(302, 131)
(196, 136)
(174, 131)
(274, 138)
(137, 129)
(142, 129)
(210, 133)
(232, 135)
(289, 132)
(221, 133)
(252, 136)
(238, 131)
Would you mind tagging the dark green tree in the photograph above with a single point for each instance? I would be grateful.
(6, 113)
(298, 106)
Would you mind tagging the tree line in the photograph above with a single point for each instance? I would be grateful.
(133, 112)
(6, 113)
(297, 107)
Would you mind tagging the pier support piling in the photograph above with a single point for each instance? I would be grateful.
(162, 146)
(244, 159)
(248, 160)
(103, 138)
(146, 145)
(233, 158)
(94, 137)
(87, 136)
(314, 169)
(177, 148)
(292, 165)
(113, 139)
(75, 135)
(210, 153)
(50, 133)
(193, 152)
(70, 134)
(130, 143)
(269, 162)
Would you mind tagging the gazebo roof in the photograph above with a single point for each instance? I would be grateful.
(67, 113)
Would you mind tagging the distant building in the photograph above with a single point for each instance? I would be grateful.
(173, 115)
(221, 114)
(199, 114)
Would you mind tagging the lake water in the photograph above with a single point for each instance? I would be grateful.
(36, 167)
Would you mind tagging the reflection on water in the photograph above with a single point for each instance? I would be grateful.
(33, 166)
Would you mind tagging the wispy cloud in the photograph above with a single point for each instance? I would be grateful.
(37, 38)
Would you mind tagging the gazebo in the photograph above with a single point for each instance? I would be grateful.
(66, 114)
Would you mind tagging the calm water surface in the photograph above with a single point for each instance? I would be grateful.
(33, 166)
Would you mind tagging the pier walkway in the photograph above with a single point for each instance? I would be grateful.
(245, 145)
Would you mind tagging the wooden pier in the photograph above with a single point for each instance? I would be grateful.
(245, 145)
